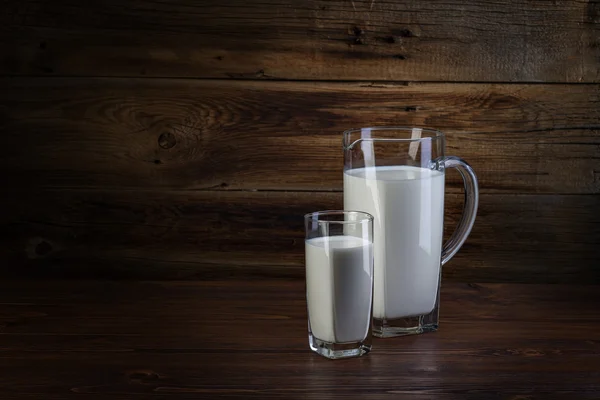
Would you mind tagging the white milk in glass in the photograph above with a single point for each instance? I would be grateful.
(339, 287)
(407, 204)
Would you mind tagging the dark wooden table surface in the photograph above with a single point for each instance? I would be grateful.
(192, 340)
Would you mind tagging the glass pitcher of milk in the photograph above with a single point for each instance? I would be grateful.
(397, 175)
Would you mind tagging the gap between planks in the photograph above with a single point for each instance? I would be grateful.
(368, 83)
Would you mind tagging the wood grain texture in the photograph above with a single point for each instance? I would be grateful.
(248, 340)
(190, 134)
(525, 41)
(217, 235)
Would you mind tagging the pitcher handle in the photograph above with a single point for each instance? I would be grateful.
(467, 220)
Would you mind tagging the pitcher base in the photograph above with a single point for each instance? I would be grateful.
(385, 328)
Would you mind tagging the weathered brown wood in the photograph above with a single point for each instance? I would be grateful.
(406, 40)
(189, 134)
(248, 340)
(209, 235)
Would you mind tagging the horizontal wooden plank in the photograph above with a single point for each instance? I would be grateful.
(190, 134)
(209, 235)
(247, 339)
(526, 41)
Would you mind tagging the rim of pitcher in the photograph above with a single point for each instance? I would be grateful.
(363, 216)
(435, 134)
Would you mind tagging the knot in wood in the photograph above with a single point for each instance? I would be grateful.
(167, 140)
(43, 248)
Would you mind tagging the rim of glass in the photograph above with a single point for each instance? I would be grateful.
(435, 134)
(363, 216)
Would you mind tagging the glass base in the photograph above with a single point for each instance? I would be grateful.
(338, 350)
(384, 328)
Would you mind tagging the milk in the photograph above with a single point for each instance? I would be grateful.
(339, 286)
(408, 206)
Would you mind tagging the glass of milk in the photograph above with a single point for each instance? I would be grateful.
(397, 174)
(339, 282)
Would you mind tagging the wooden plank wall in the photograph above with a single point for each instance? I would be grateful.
(164, 140)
